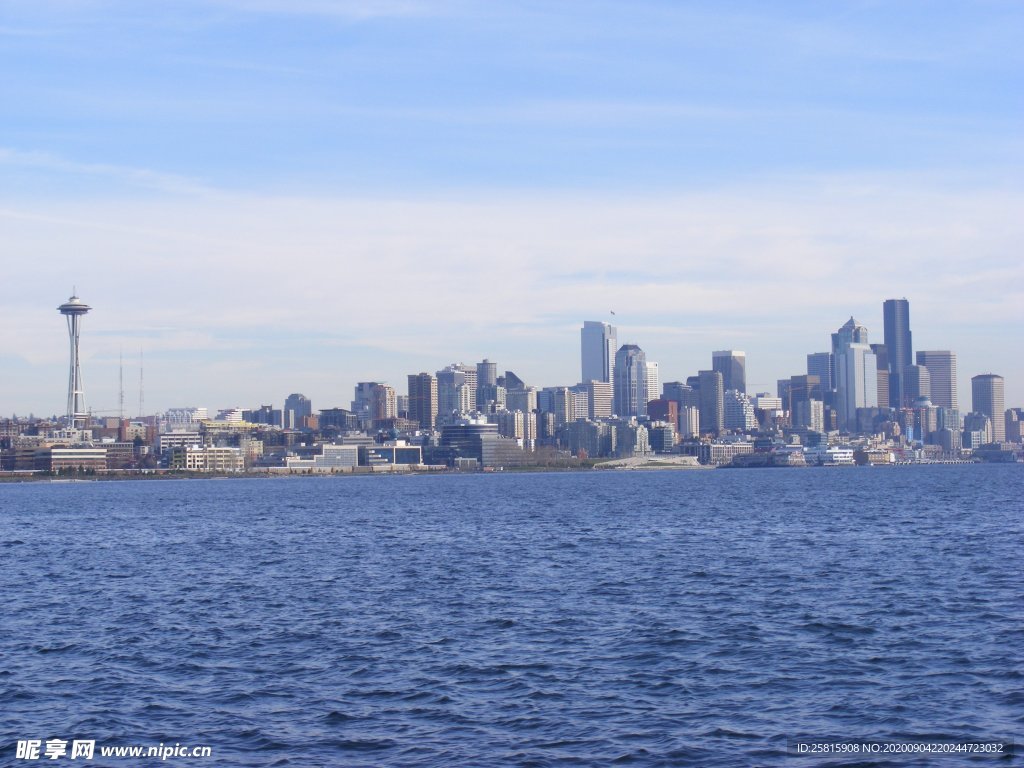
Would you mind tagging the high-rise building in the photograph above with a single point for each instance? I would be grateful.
(374, 401)
(917, 384)
(456, 391)
(822, 365)
(732, 364)
(681, 393)
(297, 408)
(851, 332)
(599, 399)
(557, 401)
(738, 411)
(653, 382)
(882, 370)
(941, 365)
(423, 400)
(712, 402)
(597, 351)
(987, 398)
(896, 319)
(856, 374)
(486, 381)
(630, 381)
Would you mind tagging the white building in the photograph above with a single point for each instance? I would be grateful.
(597, 351)
(857, 382)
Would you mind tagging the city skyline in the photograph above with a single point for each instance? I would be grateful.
(851, 330)
(268, 197)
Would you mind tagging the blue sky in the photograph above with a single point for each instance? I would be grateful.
(268, 196)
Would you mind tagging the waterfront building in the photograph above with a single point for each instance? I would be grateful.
(732, 364)
(662, 436)
(589, 439)
(987, 398)
(631, 439)
(941, 365)
(896, 321)
(630, 382)
(598, 345)
(208, 458)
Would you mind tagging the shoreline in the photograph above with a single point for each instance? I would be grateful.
(618, 465)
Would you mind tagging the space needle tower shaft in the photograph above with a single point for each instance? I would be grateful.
(74, 310)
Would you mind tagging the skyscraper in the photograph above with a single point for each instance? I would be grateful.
(598, 346)
(296, 408)
(732, 364)
(987, 398)
(822, 365)
(856, 373)
(712, 402)
(423, 400)
(882, 371)
(858, 383)
(917, 383)
(896, 319)
(653, 382)
(941, 365)
(630, 381)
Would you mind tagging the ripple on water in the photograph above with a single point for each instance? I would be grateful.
(563, 619)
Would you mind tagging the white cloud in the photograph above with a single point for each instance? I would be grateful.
(316, 294)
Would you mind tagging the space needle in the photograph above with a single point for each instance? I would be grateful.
(74, 309)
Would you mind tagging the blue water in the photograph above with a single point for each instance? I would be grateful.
(648, 618)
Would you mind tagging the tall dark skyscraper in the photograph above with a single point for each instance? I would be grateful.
(423, 399)
(712, 402)
(896, 318)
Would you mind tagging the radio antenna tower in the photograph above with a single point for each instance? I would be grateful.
(74, 309)
(141, 389)
(120, 381)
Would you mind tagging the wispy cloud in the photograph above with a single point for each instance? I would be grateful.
(343, 9)
(127, 175)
